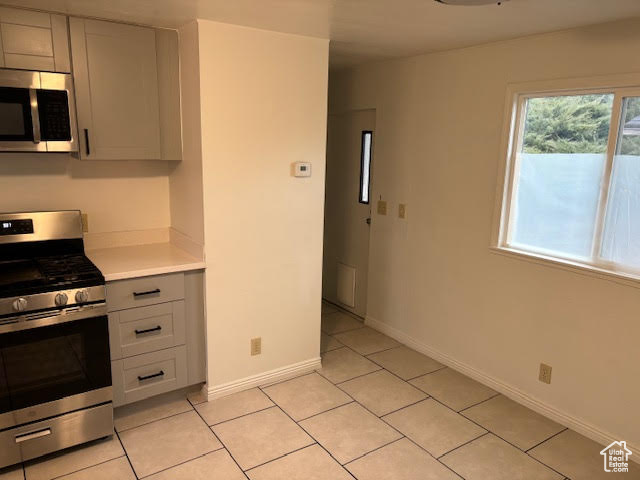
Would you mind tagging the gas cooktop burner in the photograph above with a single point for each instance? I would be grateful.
(43, 265)
(38, 275)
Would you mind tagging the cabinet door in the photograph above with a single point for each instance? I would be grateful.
(116, 82)
(33, 40)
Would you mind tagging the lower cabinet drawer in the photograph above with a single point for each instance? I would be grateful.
(143, 291)
(36, 439)
(146, 329)
(150, 374)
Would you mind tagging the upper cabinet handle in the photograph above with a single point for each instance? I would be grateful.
(150, 292)
(86, 141)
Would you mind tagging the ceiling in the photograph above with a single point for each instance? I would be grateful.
(363, 30)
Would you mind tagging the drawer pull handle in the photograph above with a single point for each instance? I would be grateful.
(149, 330)
(142, 294)
(149, 377)
(33, 435)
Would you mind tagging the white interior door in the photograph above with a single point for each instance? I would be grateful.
(348, 209)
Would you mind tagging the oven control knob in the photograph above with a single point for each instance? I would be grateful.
(20, 304)
(82, 296)
(61, 299)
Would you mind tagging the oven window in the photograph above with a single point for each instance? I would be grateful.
(15, 115)
(49, 363)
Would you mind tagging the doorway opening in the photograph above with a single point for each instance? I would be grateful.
(349, 180)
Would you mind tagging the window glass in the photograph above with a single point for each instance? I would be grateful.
(621, 239)
(560, 164)
(365, 166)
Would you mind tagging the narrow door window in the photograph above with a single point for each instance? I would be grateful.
(365, 166)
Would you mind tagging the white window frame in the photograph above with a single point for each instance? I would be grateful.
(621, 86)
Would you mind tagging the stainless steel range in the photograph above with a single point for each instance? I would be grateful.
(55, 369)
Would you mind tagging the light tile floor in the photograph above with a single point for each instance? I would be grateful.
(375, 411)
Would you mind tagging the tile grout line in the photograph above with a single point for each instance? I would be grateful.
(91, 466)
(221, 442)
(498, 436)
(152, 421)
(280, 457)
(487, 432)
(374, 450)
(357, 376)
(315, 442)
(267, 385)
(325, 411)
(311, 436)
(182, 463)
(126, 454)
(546, 440)
(437, 459)
(406, 406)
(239, 416)
(476, 404)
(409, 380)
(476, 423)
(333, 335)
(391, 426)
(177, 464)
(340, 309)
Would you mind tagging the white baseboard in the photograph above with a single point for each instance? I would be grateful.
(265, 378)
(588, 430)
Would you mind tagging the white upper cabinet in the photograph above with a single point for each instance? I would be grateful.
(116, 80)
(33, 41)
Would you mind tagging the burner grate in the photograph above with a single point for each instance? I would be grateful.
(66, 269)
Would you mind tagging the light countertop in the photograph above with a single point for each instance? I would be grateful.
(119, 263)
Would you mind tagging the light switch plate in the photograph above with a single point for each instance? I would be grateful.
(402, 210)
(382, 207)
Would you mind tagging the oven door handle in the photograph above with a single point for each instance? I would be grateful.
(35, 115)
(33, 435)
(25, 323)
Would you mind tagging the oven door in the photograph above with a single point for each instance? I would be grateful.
(55, 365)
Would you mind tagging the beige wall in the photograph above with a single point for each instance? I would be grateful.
(432, 277)
(185, 179)
(118, 196)
(263, 106)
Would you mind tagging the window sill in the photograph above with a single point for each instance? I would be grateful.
(623, 278)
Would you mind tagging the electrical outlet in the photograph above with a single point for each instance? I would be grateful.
(402, 210)
(545, 373)
(382, 207)
(85, 222)
(256, 346)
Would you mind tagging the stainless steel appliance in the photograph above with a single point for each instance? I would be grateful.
(55, 368)
(37, 112)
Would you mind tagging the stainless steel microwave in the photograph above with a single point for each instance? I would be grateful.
(37, 112)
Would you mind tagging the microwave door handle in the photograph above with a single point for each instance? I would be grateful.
(35, 116)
